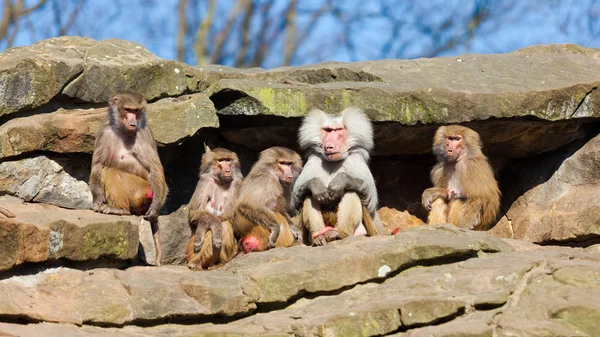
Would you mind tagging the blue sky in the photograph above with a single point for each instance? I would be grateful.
(511, 25)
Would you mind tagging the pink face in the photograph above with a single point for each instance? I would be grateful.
(250, 244)
(283, 170)
(130, 117)
(224, 169)
(453, 147)
(334, 142)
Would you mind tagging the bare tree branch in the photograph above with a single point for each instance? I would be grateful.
(222, 36)
(242, 51)
(262, 45)
(6, 18)
(67, 25)
(26, 11)
(290, 26)
(309, 29)
(200, 45)
(182, 32)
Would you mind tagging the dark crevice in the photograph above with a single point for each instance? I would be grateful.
(34, 268)
(303, 294)
(175, 319)
(488, 306)
(583, 241)
(226, 97)
(263, 308)
(447, 319)
(583, 100)
(57, 102)
(228, 122)
(439, 321)
(19, 319)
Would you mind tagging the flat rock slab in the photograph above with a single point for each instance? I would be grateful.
(435, 90)
(74, 131)
(41, 233)
(284, 274)
(546, 292)
(156, 295)
(88, 70)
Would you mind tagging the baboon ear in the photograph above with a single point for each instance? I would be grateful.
(114, 101)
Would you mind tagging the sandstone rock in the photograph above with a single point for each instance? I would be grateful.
(172, 120)
(542, 293)
(90, 71)
(154, 294)
(354, 260)
(32, 76)
(392, 219)
(47, 180)
(110, 296)
(174, 234)
(466, 87)
(63, 131)
(74, 131)
(41, 233)
(562, 209)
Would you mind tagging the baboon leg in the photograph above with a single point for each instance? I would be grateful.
(349, 215)
(437, 215)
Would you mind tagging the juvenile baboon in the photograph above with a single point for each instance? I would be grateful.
(211, 209)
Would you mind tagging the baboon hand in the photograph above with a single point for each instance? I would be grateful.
(151, 214)
(430, 195)
(319, 191)
(297, 233)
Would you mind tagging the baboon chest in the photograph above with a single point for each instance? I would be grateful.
(454, 188)
(123, 158)
(217, 202)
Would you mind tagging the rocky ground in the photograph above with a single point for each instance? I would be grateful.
(66, 271)
(424, 281)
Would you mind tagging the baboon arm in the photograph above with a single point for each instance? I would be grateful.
(147, 155)
(302, 186)
(264, 217)
(98, 162)
(362, 181)
(432, 194)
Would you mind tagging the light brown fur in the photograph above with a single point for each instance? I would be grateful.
(125, 191)
(476, 201)
(348, 217)
(208, 255)
(264, 200)
(131, 158)
(212, 240)
(285, 238)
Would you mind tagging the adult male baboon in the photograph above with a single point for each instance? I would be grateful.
(336, 188)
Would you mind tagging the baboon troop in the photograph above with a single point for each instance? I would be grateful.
(282, 201)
